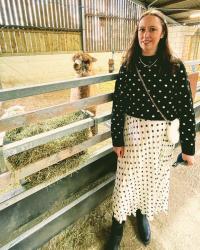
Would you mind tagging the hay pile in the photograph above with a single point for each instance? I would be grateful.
(20, 160)
(89, 232)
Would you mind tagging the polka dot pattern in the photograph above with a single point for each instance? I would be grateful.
(171, 93)
(142, 178)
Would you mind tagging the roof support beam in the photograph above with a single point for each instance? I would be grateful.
(168, 4)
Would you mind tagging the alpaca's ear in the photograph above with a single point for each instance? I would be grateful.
(94, 59)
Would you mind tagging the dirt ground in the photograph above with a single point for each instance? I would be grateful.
(179, 230)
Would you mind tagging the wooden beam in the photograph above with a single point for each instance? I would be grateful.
(169, 3)
(14, 93)
(179, 9)
(49, 112)
(171, 12)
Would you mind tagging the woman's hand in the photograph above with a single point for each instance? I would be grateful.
(119, 151)
(189, 159)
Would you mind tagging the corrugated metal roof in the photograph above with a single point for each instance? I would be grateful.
(178, 10)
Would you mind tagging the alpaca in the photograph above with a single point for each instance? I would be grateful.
(83, 65)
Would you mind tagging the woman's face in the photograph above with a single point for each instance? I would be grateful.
(149, 34)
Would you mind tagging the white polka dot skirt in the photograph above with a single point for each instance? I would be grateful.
(143, 173)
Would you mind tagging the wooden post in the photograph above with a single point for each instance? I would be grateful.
(110, 65)
(193, 79)
(94, 128)
(2, 160)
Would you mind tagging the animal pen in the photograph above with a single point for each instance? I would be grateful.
(31, 203)
(28, 215)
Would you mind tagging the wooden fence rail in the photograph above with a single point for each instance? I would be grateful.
(46, 113)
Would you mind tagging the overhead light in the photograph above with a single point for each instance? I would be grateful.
(194, 15)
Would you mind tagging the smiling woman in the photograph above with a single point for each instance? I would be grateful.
(151, 92)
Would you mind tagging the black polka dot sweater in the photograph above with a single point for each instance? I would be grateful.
(171, 93)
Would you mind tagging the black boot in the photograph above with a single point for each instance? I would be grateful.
(143, 227)
(115, 235)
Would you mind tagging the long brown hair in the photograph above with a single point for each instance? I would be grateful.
(168, 63)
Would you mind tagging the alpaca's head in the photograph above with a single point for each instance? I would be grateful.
(83, 63)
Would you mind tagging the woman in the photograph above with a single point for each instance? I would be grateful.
(139, 131)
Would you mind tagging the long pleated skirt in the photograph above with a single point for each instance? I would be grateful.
(143, 173)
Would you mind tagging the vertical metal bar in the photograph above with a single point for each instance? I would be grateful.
(82, 24)
(91, 35)
(3, 13)
(57, 5)
(69, 14)
(18, 16)
(100, 29)
(113, 27)
(23, 13)
(60, 16)
(73, 14)
(27, 11)
(124, 26)
(97, 38)
(77, 15)
(37, 13)
(54, 14)
(66, 15)
(105, 26)
(51, 23)
(7, 12)
(62, 7)
(46, 21)
(87, 41)
(42, 18)
(32, 10)
(12, 9)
